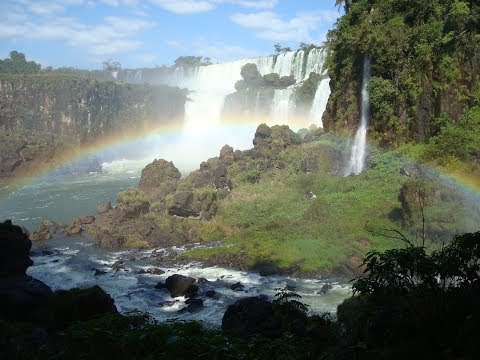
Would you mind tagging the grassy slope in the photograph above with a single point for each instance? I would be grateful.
(271, 221)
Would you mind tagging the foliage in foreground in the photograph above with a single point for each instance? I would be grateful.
(411, 303)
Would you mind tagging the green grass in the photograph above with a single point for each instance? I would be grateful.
(272, 221)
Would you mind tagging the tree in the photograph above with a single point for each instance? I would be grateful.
(17, 64)
(113, 67)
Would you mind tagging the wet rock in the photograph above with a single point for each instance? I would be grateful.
(105, 239)
(41, 233)
(86, 220)
(99, 272)
(194, 305)
(202, 280)
(250, 316)
(180, 285)
(104, 207)
(152, 271)
(160, 286)
(325, 289)
(266, 269)
(237, 287)
(210, 293)
(117, 265)
(167, 303)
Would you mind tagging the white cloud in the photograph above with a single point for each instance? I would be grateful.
(271, 26)
(199, 6)
(112, 36)
(185, 6)
(219, 51)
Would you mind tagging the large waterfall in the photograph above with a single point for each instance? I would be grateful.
(356, 163)
(210, 85)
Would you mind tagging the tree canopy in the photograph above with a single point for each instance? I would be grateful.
(17, 64)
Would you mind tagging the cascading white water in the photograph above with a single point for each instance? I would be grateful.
(320, 102)
(359, 148)
(282, 106)
(209, 85)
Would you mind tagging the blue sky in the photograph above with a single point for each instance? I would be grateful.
(83, 33)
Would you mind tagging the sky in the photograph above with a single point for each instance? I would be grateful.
(85, 33)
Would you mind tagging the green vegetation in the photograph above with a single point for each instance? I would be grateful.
(406, 294)
(17, 64)
(425, 67)
(267, 217)
(192, 61)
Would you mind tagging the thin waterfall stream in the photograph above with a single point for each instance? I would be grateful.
(358, 152)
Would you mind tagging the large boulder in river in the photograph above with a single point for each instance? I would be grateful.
(250, 316)
(180, 285)
(252, 76)
(159, 179)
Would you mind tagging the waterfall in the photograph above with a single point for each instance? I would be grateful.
(282, 106)
(320, 102)
(359, 148)
(209, 86)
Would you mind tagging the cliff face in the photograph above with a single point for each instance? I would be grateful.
(41, 115)
(425, 66)
(82, 109)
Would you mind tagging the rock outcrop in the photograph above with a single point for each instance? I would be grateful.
(20, 295)
(159, 179)
(250, 316)
(180, 285)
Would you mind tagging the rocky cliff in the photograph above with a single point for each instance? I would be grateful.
(425, 66)
(41, 113)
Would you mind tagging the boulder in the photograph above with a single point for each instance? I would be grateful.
(104, 207)
(237, 155)
(251, 75)
(159, 178)
(20, 294)
(80, 305)
(269, 142)
(182, 204)
(226, 155)
(194, 305)
(237, 286)
(87, 220)
(15, 245)
(41, 233)
(179, 285)
(325, 289)
(105, 239)
(210, 293)
(221, 178)
(250, 316)
(153, 271)
(131, 204)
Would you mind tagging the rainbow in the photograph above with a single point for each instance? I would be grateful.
(112, 142)
(170, 132)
